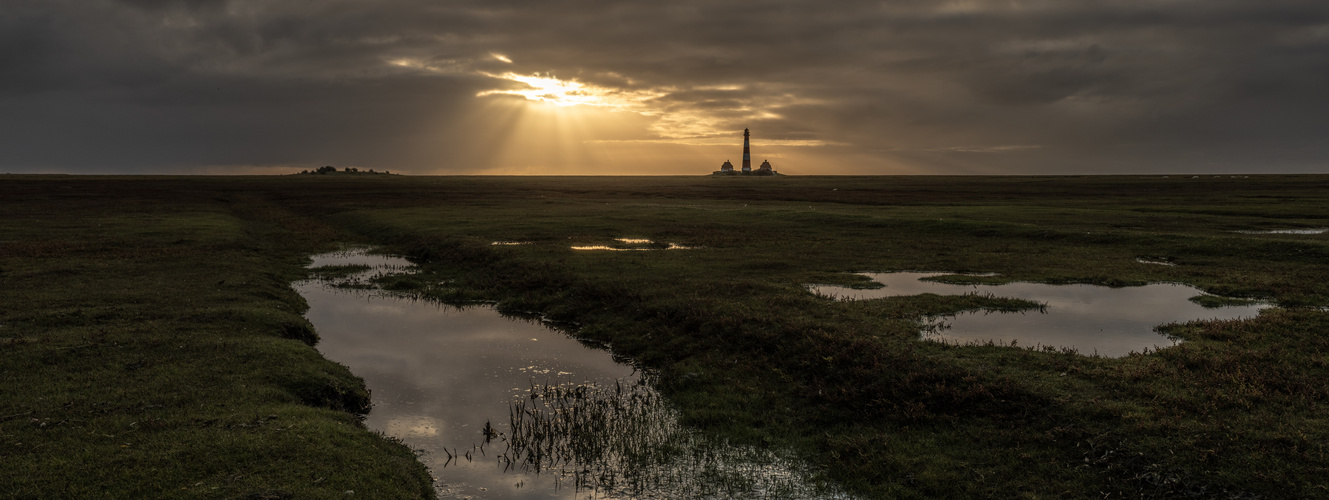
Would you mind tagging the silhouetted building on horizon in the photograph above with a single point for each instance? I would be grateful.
(747, 154)
(728, 168)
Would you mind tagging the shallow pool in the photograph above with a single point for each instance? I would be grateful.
(438, 374)
(1092, 319)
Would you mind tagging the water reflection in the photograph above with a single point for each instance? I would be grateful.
(633, 245)
(1156, 262)
(447, 382)
(671, 246)
(1318, 230)
(1110, 322)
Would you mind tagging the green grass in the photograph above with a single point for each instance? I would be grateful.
(152, 348)
(134, 299)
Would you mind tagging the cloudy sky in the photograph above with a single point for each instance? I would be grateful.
(665, 87)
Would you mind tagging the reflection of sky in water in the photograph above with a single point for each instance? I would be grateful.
(1318, 230)
(1155, 262)
(438, 373)
(672, 246)
(633, 241)
(1109, 321)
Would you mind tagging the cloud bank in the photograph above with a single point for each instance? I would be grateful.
(851, 87)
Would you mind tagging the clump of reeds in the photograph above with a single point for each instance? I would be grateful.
(624, 439)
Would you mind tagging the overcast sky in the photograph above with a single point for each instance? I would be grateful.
(664, 87)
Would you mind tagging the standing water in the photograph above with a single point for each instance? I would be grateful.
(502, 408)
(1092, 319)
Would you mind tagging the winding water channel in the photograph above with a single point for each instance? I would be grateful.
(502, 408)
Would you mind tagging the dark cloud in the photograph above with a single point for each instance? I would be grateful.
(902, 86)
(27, 45)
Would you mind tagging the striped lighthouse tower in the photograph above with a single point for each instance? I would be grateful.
(747, 154)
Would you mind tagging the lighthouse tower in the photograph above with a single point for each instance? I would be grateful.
(747, 154)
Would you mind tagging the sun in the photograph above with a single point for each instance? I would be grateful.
(553, 125)
(552, 90)
(564, 93)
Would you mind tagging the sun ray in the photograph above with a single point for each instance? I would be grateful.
(549, 89)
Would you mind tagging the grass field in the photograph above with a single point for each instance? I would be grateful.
(150, 345)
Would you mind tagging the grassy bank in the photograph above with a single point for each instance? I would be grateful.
(151, 347)
(743, 349)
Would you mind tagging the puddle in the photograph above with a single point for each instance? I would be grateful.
(1156, 262)
(1318, 230)
(1111, 322)
(443, 378)
(671, 246)
(634, 245)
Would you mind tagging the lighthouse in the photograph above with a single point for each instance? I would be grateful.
(728, 168)
(747, 154)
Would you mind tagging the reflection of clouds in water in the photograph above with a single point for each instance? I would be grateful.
(414, 426)
(385, 308)
(1094, 319)
(438, 373)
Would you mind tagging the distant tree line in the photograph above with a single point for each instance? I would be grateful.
(329, 169)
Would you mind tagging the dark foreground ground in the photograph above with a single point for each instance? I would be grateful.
(150, 345)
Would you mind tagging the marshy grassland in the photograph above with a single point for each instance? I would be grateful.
(151, 346)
